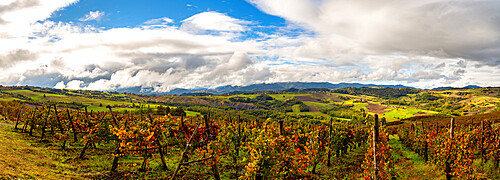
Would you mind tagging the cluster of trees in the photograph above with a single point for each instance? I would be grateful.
(385, 93)
(426, 97)
(259, 98)
(345, 112)
(165, 110)
(267, 102)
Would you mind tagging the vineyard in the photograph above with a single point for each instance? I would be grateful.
(124, 145)
(139, 144)
(455, 148)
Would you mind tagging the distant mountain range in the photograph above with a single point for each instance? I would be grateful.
(465, 87)
(257, 88)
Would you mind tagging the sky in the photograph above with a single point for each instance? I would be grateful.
(163, 45)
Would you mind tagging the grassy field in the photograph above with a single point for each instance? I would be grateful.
(24, 158)
(286, 96)
(403, 113)
(316, 113)
(93, 104)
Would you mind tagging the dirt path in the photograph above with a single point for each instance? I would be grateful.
(410, 165)
(23, 158)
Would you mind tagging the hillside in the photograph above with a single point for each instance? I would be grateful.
(281, 86)
(318, 104)
(83, 140)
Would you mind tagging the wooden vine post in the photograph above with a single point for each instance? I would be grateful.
(482, 142)
(280, 122)
(330, 143)
(113, 115)
(237, 148)
(45, 125)
(61, 128)
(184, 154)
(447, 169)
(375, 140)
(182, 121)
(117, 151)
(426, 145)
(75, 138)
(215, 170)
(89, 141)
(32, 122)
(160, 147)
(26, 122)
(162, 156)
(18, 117)
(87, 118)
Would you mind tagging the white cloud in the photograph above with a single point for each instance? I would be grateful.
(16, 16)
(60, 85)
(213, 21)
(462, 29)
(93, 16)
(74, 84)
(159, 21)
(207, 50)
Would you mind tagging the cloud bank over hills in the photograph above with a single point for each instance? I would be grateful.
(422, 44)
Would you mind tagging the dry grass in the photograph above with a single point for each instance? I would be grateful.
(21, 158)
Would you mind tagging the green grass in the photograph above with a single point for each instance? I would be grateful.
(25, 158)
(409, 165)
(296, 108)
(359, 106)
(484, 100)
(286, 96)
(7, 98)
(92, 104)
(242, 95)
(316, 113)
(310, 103)
(403, 113)
(40, 96)
(192, 114)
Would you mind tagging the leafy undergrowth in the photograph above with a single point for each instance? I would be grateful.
(409, 165)
(345, 167)
(24, 158)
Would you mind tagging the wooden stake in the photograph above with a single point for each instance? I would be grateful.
(330, 143)
(75, 138)
(61, 128)
(281, 127)
(452, 124)
(184, 154)
(375, 140)
(18, 117)
(45, 125)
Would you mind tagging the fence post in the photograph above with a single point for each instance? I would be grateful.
(44, 125)
(182, 121)
(18, 117)
(482, 141)
(281, 127)
(61, 128)
(447, 169)
(452, 124)
(375, 140)
(72, 126)
(330, 143)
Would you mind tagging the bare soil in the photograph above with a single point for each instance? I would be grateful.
(308, 98)
(376, 108)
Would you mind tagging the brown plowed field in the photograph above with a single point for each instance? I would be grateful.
(308, 98)
(376, 108)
